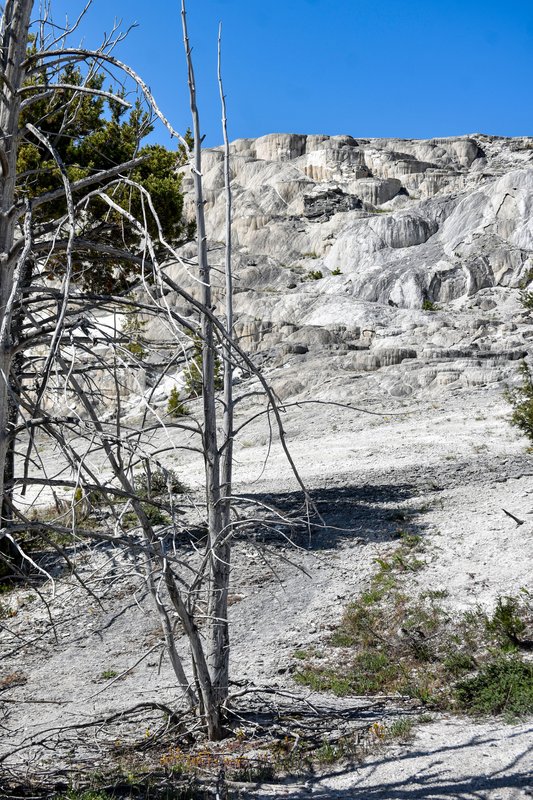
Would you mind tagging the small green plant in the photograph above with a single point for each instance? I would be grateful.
(507, 623)
(526, 280)
(134, 328)
(314, 275)
(5, 611)
(410, 540)
(504, 686)
(521, 400)
(158, 482)
(175, 406)
(526, 298)
(436, 594)
(84, 502)
(401, 728)
(192, 374)
(107, 674)
(336, 271)
(327, 753)
(155, 516)
(429, 305)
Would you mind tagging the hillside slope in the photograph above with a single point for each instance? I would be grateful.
(381, 273)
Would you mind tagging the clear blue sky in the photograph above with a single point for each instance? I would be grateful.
(407, 68)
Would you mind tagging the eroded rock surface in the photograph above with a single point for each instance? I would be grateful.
(399, 256)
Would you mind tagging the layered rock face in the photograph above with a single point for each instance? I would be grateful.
(401, 257)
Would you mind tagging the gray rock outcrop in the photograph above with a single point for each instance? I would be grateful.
(407, 256)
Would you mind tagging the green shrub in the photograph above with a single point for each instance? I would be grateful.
(314, 275)
(526, 280)
(175, 406)
(336, 271)
(521, 399)
(155, 516)
(158, 482)
(401, 728)
(457, 663)
(5, 611)
(506, 623)
(133, 328)
(194, 385)
(504, 686)
(429, 305)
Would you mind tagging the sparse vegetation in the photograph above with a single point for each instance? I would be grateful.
(314, 275)
(139, 785)
(521, 400)
(108, 674)
(89, 794)
(526, 280)
(390, 643)
(5, 610)
(133, 329)
(156, 516)
(429, 305)
(336, 271)
(158, 483)
(401, 728)
(193, 372)
(175, 406)
(503, 686)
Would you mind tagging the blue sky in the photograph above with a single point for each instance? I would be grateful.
(367, 68)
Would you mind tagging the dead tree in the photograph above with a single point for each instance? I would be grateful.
(13, 38)
(69, 355)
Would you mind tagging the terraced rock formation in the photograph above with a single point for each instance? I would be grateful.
(399, 256)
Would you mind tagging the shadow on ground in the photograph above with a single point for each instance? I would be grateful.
(368, 513)
(424, 774)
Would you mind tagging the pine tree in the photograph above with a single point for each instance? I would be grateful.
(92, 134)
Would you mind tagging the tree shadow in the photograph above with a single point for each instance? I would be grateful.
(378, 512)
(455, 770)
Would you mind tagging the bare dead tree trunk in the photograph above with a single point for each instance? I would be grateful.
(218, 643)
(227, 356)
(13, 41)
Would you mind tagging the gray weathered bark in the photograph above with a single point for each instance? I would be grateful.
(13, 41)
(227, 420)
(218, 643)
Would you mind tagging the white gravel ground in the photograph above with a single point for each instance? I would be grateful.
(450, 462)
